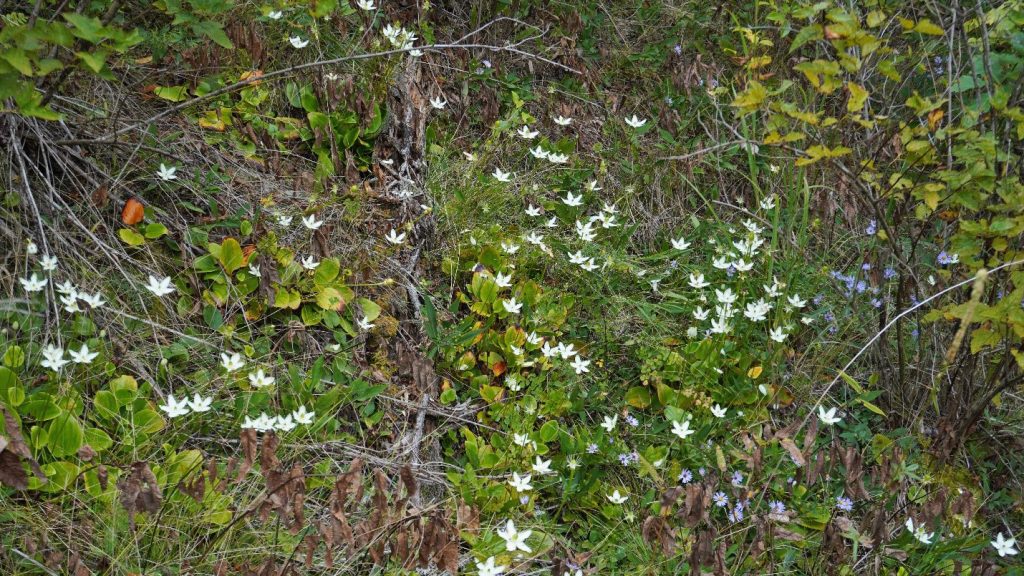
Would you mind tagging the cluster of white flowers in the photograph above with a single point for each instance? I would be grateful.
(279, 423)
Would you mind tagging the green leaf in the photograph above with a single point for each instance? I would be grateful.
(14, 357)
(89, 29)
(872, 407)
(171, 93)
(371, 310)
(18, 59)
(214, 31)
(638, 397)
(131, 237)
(230, 256)
(805, 35)
(330, 298)
(66, 435)
(94, 61)
(155, 230)
(326, 272)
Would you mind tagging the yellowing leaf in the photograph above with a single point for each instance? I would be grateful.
(926, 26)
(754, 372)
(858, 96)
(751, 98)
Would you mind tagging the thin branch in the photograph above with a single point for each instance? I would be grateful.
(319, 64)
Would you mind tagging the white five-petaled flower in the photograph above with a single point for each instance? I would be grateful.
(718, 411)
(757, 311)
(33, 283)
(365, 324)
(366, 5)
(1004, 546)
(580, 365)
(66, 287)
(160, 287)
(260, 379)
(261, 424)
(532, 211)
(489, 568)
(311, 222)
(617, 498)
(725, 297)
(48, 263)
(200, 404)
(301, 416)
(828, 417)
(777, 334)
(556, 158)
(438, 103)
(539, 153)
(571, 200)
(680, 243)
(394, 237)
(174, 408)
(525, 133)
(232, 362)
(610, 422)
(53, 358)
(167, 173)
(795, 301)
(541, 466)
(562, 120)
(919, 532)
(635, 122)
(469, 156)
(94, 300)
(285, 220)
(520, 483)
(682, 429)
(310, 263)
(512, 306)
(83, 355)
(284, 423)
(275, 14)
(697, 281)
(515, 539)
(501, 176)
(502, 280)
(298, 42)
(522, 440)
(509, 248)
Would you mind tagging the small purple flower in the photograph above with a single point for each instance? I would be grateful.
(876, 302)
(889, 273)
(736, 514)
(872, 228)
(486, 63)
(524, 499)
(829, 317)
(730, 271)
(677, 49)
(686, 476)
(632, 421)
(737, 478)
(777, 507)
(701, 471)
(945, 259)
(865, 266)
(720, 499)
(592, 449)
(843, 503)
(915, 333)
(862, 286)
(818, 299)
